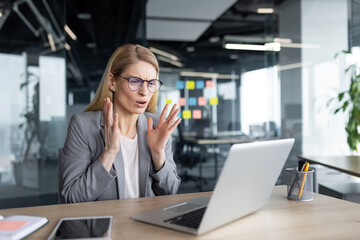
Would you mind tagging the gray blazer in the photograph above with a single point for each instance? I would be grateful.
(84, 177)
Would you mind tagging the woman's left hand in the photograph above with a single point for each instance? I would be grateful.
(158, 137)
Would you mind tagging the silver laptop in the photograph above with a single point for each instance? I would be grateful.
(244, 186)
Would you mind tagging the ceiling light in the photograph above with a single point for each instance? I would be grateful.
(276, 47)
(91, 45)
(214, 39)
(51, 42)
(163, 53)
(283, 40)
(69, 32)
(299, 45)
(190, 48)
(1, 14)
(209, 75)
(252, 47)
(265, 10)
(173, 62)
(236, 46)
(294, 65)
(84, 16)
(67, 46)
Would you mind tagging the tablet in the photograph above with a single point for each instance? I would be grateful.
(97, 227)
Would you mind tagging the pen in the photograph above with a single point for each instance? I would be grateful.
(295, 180)
(303, 180)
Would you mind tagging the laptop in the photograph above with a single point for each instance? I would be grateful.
(243, 187)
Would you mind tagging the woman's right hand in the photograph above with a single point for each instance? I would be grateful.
(112, 134)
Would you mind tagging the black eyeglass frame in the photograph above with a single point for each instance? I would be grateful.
(128, 79)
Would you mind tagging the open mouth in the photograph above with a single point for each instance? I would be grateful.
(141, 104)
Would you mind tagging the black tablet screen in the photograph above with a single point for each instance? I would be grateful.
(83, 228)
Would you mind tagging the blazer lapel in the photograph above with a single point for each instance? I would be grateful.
(144, 156)
(118, 164)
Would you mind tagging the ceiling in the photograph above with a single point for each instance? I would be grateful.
(193, 30)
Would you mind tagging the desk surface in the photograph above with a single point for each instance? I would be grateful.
(347, 164)
(322, 218)
(220, 140)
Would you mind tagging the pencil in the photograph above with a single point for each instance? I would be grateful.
(296, 179)
(303, 180)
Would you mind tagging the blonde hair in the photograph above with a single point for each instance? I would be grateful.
(121, 59)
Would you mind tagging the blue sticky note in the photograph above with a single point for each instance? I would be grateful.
(192, 101)
(200, 84)
(180, 84)
(179, 114)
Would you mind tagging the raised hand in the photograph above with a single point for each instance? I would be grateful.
(112, 134)
(158, 137)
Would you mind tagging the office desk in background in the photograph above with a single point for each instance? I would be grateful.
(346, 164)
(322, 218)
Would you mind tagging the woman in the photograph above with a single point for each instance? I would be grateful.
(118, 148)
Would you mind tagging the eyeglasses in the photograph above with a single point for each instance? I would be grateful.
(136, 83)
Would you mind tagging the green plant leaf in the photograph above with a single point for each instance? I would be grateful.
(349, 67)
(329, 102)
(337, 110)
(345, 106)
(341, 96)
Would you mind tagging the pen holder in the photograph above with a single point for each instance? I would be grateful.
(300, 184)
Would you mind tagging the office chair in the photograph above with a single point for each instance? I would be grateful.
(188, 155)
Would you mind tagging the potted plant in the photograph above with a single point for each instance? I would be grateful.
(350, 100)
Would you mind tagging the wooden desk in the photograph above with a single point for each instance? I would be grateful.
(323, 218)
(346, 164)
(216, 141)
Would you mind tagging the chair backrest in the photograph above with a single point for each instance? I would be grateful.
(187, 154)
(60, 175)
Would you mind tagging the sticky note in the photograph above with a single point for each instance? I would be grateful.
(209, 84)
(168, 101)
(179, 114)
(214, 101)
(11, 225)
(180, 84)
(190, 85)
(182, 101)
(202, 101)
(186, 114)
(196, 114)
(192, 101)
(200, 84)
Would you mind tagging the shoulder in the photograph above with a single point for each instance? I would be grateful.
(86, 118)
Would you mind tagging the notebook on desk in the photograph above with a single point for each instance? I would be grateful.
(244, 186)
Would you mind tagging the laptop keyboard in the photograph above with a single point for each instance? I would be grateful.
(191, 219)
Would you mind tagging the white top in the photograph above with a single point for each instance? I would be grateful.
(129, 148)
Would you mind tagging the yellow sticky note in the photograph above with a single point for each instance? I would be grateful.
(214, 101)
(168, 101)
(190, 85)
(186, 114)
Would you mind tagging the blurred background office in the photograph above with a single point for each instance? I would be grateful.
(244, 69)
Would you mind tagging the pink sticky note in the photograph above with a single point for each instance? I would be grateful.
(209, 84)
(202, 101)
(196, 114)
(11, 225)
(182, 101)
